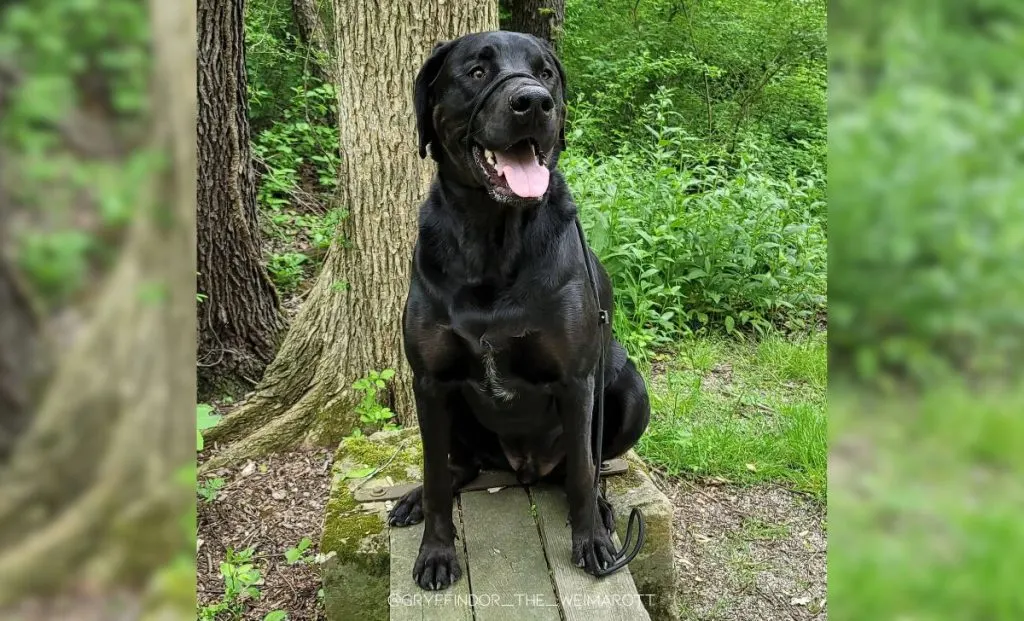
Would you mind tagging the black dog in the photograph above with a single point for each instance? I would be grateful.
(501, 325)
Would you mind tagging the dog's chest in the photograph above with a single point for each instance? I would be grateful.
(510, 348)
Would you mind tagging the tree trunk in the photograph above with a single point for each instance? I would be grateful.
(313, 34)
(351, 322)
(20, 356)
(22, 353)
(541, 18)
(89, 494)
(239, 319)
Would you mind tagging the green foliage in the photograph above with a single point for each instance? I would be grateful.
(57, 263)
(926, 276)
(286, 270)
(295, 143)
(298, 159)
(697, 141)
(209, 489)
(276, 61)
(695, 247)
(298, 554)
(205, 418)
(735, 69)
(68, 57)
(299, 142)
(370, 411)
(241, 585)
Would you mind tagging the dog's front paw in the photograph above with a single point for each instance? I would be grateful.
(409, 509)
(436, 567)
(594, 551)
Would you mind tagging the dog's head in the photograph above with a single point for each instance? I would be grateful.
(518, 130)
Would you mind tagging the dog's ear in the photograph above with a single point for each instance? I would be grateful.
(565, 99)
(423, 100)
(553, 57)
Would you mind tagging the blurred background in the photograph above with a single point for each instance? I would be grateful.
(97, 187)
(926, 222)
(925, 219)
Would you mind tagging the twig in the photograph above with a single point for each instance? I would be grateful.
(382, 466)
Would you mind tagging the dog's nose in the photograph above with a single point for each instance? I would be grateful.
(531, 100)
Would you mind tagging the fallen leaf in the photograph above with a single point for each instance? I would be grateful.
(799, 601)
(359, 473)
(752, 467)
(494, 489)
(248, 469)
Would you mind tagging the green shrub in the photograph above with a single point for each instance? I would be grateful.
(56, 263)
(926, 202)
(286, 270)
(736, 69)
(693, 247)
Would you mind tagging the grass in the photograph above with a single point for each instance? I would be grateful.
(930, 497)
(746, 412)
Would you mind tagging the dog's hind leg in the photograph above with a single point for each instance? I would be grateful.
(627, 411)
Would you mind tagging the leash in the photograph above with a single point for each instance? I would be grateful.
(626, 553)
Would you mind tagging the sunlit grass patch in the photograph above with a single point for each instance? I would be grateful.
(930, 497)
(744, 412)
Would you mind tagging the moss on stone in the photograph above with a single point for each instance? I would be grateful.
(379, 449)
(357, 579)
(653, 569)
(352, 593)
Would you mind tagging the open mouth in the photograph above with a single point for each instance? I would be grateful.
(518, 171)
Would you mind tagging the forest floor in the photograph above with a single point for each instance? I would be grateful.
(736, 442)
(743, 553)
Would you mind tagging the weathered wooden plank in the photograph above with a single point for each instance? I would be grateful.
(408, 601)
(508, 572)
(582, 596)
(486, 480)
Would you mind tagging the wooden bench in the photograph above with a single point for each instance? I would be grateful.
(514, 547)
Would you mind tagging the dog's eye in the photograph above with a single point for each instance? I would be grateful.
(476, 73)
(546, 74)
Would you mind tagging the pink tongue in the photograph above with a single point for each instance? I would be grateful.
(524, 175)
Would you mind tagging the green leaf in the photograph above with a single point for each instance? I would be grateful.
(205, 418)
(358, 473)
(276, 615)
(730, 324)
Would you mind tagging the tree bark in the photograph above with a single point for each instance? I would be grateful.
(20, 367)
(351, 322)
(89, 495)
(239, 317)
(22, 353)
(20, 357)
(541, 18)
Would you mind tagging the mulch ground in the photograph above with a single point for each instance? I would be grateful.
(743, 553)
(269, 505)
(748, 553)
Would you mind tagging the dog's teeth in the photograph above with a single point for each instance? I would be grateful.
(489, 156)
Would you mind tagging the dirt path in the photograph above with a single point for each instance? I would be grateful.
(748, 554)
(744, 554)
